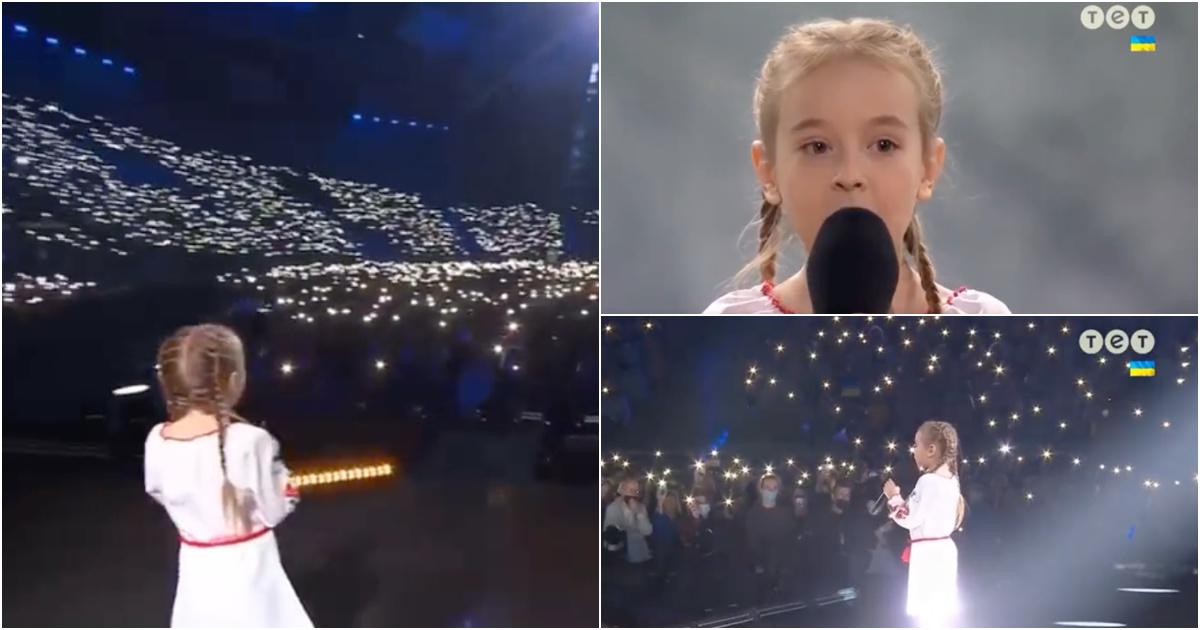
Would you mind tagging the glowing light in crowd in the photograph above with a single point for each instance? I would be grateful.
(230, 205)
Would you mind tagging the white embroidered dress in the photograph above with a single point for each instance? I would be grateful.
(227, 578)
(930, 514)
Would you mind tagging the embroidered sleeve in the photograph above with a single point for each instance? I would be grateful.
(907, 512)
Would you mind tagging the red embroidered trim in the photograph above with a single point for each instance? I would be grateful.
(961, 290)
(768, 291)
(291, 491)
(908, 548)
(223, 541)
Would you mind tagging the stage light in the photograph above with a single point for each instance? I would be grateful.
(81, 52)
(20, 28)
(357, 117)
(130, 390)
(340, 475)
(107, 62)
(128, 70)
(53, 41)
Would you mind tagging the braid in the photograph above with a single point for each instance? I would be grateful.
(947, 437)
(219, 402)
(769, 215)
(170, 376)
(915, 246)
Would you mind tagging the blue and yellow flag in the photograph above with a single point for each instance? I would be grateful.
(1141, 43)
(1141, 368)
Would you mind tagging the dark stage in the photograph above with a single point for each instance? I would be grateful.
(440, 545)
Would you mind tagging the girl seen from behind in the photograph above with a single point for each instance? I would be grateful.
(223, 484)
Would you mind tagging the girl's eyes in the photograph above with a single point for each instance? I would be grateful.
(815, 148)
(818, 147)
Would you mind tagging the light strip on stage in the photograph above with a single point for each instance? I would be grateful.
(1159, 591)
(342, 475)
(1089, 624)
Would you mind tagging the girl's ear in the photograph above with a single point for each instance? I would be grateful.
(934, 163)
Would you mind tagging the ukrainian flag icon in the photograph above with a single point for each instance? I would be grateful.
(1141, 43)
(1141, 368)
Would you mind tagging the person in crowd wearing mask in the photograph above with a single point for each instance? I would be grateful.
(626, 579)
(628, 514)
(770, 529)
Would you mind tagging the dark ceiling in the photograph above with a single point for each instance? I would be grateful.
(430, 61)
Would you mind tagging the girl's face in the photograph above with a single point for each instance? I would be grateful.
(848, 135)
(925, 454)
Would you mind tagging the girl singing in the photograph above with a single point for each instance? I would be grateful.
(224, 486)
(932, 512)
(847, 115)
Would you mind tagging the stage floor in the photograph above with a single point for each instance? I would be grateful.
(84, 546)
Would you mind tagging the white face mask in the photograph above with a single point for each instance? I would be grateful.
(769, 496)
(704, 509)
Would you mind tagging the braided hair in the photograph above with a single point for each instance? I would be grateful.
(945, 437)
(202, 369)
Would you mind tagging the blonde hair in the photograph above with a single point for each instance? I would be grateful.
(801, 51)
(944, 435)
(196, 370)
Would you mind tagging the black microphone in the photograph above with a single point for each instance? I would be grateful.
(853, 267)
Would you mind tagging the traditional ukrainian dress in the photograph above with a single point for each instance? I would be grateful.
(930, 514)
(227, 579)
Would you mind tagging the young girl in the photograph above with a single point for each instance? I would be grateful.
(932, 512)
(223, 485)
(848, 115)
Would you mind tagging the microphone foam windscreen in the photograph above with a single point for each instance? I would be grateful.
(853, 267)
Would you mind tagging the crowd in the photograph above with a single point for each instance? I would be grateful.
(1066, 469)
(722, 535)
(87, 184)
(479, 321)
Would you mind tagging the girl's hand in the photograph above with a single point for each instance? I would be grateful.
(890, 489)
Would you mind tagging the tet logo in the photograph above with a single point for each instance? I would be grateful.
(1116, 341)
(1117, 17)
